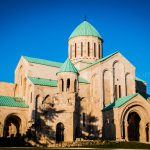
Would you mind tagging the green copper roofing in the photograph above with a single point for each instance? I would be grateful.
(140, 80)
(100, 60)
(120, 101)
(12, 102)
(68, 66)
(43, 62)
(85, 29)
(43, 82)
(82, 80)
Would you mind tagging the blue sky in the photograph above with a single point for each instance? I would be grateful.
(40, 28)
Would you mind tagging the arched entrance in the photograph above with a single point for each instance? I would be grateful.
(12, 126)
(133, 126)
(60, 132)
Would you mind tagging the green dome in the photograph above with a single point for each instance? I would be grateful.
(85, 29)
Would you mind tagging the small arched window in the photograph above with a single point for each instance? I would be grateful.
(75, 85)
(68, 84)
(99, 50)
(81, 48)
(75, 50)
(70, 51)
(88, 48)
(94, 49)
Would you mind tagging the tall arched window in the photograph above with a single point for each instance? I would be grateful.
(70, 51)
(88, 48)
(68, 84)
(94, 49)
(81, 48)
(75, 50)
(99, 51)
(75, 85)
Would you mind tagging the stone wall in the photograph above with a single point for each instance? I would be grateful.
(7, 89)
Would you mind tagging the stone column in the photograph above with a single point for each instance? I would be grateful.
(1, 129)
(142, 132)
(126, 131)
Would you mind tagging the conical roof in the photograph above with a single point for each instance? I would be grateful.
(85, 29)
(68, 67)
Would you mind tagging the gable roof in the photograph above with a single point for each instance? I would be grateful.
(12, 102)
(100, 60)
(43, 82)
(85, 29)
(68, 66)
(43, 62)
(119, 102)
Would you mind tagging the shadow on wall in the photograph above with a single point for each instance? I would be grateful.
(14, 141)
(41, 129)
(109, 127)
(87, 123)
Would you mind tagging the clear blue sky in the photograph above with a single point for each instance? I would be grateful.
(40, 28)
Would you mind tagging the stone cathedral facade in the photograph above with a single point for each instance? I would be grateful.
(87, 96)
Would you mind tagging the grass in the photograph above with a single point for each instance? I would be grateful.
(95, 145)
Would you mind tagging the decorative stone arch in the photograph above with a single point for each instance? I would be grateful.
(94, 89)
(107, 87)
(129, 83)
(138, 108)
(14, 124)
(118, 79)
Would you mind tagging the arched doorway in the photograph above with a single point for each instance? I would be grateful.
(133, 126)
(12, 126)
(60, 132)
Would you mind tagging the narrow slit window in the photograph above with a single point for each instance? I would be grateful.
(62, 85)
(68, 84)
(70, 51)
(88, 48)
(81, 49)
(99, 50)
(75, 50)
(94, 49)
(75, 85)
(115, 92)
(119, 91)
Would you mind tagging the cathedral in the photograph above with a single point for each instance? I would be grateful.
(88, 96)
